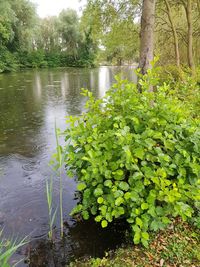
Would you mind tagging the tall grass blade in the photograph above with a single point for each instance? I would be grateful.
(49, 196)
(8, 248)
(60, 163)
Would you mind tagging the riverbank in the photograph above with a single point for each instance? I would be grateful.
(179, 245)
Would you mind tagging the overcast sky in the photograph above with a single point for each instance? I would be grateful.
(53, 7)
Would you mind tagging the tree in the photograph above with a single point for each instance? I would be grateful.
(25, 13)
(47, 35)
(68, 28)
(147, 35)
(175, 36)
(7, 18)
(188, 10)
(114, 28)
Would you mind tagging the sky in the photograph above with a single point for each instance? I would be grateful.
(53, 7)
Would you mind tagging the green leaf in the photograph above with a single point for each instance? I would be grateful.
(118, 174)
(100, 200)
(144, 206)
(139, 222)
(103, 209)
(104, 224)
(81, 186)
(119, 201)
(98, 192)
(136, 238)
(144, 242)
(137, 175)
(124, 186)
(139, 153)
(85, 215)
(108, 183)
(127, 195)
(98, 218)
(145, 235)
(154, 225)
(166, 220)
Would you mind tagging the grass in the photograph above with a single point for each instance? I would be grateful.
(60, 164)
(177, 246)
(56, 164)
(8, 248)
(52, 214)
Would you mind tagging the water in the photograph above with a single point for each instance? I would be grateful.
(29, 104)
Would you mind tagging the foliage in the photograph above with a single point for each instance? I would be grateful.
(52, 214)
(176, 246)
(136, 155)
(164, 41)
(183, 85)
(29, 42)
(8, 248)
(114, 30)
(68, 27)
(8, 61)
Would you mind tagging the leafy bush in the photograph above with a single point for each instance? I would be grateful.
(8, 61)
(136, 155)
(187, 89)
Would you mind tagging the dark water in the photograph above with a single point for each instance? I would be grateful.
(29, 104)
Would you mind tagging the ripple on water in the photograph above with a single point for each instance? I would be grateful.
(29, 167)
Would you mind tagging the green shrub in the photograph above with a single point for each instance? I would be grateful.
(53, 59)
(8, 61)
(187, 90)
(136, 155)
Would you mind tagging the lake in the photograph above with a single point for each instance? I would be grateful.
(30, 102)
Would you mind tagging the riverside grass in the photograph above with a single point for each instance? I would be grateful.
(8, 248)
(52, 214)
(57, 157)
(60, 164)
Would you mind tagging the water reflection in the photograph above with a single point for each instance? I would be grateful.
(29, 104)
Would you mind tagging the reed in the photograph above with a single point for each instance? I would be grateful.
(59, 168)
(8, 248)
(52, 214)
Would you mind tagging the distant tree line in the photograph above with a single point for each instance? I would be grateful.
(28, 41)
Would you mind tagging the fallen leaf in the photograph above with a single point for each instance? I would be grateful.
(161, 262)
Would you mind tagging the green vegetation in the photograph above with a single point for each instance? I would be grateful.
(8, 248)
(179, 245)
(107, 32)
(52, 214)
(59, 158)
(136, 152)
(114, 29)
(137, 156)
(26, 41)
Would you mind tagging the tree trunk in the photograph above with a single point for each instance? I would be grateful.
(188, 11)
(198, 6)
(175, 36)
(147, 35)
